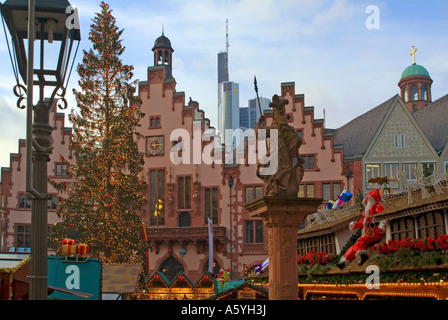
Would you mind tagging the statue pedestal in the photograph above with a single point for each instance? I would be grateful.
(282, 215)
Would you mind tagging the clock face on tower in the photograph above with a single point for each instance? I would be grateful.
(154, 146)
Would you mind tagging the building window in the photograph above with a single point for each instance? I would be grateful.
(252, 193)
(327, 244)
(308, 162)
(184, 219)
(446, 167)
(324, 243)
(414, 108)
(372, 171)
(399, 141)
(306, 191)
(326, 191)
(184, 192)
(391, 171)
(254, 231)
(414, 93)
(211, 204)
(405, 94)
(301, 247)
(61, 169)
(429, 168)
(402, 228)
(154, 122)
(23, 201)
(312, 244)
(424, 93)
(156, 193)
(52, 203)
(330, 191)
(171, 267)
(23, 236)
(409, 170)
(310, 190)
(300, 134)
(430, 224)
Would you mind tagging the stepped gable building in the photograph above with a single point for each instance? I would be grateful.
(15, 208)
(192, 192)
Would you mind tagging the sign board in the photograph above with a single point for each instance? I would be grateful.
(82, 276)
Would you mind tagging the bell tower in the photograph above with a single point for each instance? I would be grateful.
(415, 85)
(163, 53)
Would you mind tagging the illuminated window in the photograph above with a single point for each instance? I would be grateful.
(372, 171)
(156, 192)
(405, 94)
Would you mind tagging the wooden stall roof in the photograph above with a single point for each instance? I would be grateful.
(160, 275)
(397, 206)
(182, 276)
(120, 278)
(338, 219)
(10, 262)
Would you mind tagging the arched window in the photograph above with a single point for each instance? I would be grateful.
(424, 93)
(414, 92)
(166, 59)
(159, 57)
(171, 267)
(184, 219)
(405, 94)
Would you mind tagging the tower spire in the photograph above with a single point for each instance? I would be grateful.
(227, 35)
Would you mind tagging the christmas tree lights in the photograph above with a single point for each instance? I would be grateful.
(104, 198)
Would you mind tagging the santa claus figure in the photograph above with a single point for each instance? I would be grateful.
(371, 232)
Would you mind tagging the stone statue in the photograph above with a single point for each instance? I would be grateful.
(290, 170)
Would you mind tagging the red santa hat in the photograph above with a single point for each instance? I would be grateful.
(374, 195)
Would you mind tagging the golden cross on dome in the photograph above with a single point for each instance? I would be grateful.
(414, 50)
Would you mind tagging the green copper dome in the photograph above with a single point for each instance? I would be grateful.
(414, 70)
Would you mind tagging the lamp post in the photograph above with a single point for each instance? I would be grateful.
(55, 34)
(230, 182)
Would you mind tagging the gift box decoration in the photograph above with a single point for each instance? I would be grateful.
(82, 249)
(68, 247)
(346, 196)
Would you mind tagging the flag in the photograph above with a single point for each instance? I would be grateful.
(210, 245)
(145, 238)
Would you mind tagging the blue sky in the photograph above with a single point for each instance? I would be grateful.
(323, 46)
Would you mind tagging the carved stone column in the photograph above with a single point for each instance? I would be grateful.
(282, 215)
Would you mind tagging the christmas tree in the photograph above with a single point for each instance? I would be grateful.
(105, 195)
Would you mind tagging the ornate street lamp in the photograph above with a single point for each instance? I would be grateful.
(230, 182)
(48, 22)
